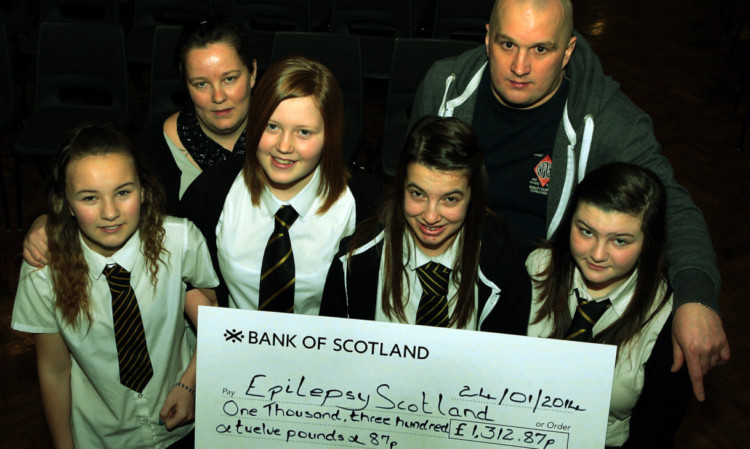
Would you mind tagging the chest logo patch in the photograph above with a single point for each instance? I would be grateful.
(543, 170)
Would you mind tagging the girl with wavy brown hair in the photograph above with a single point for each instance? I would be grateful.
(107, 313)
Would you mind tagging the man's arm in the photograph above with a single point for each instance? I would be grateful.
(53, 364)
(697, 332)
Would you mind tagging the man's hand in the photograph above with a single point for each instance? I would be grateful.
(698, 338)
(35, 251)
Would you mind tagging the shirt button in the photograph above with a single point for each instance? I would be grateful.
(140, 395)
(144, 420)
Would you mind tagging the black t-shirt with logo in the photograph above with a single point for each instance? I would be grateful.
(518, 145)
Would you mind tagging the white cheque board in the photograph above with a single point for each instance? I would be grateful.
(288, 381)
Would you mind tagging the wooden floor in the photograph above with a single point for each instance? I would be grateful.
(674, 58)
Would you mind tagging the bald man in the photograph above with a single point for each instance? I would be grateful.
(546, 114)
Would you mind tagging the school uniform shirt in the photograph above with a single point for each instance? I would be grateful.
(354, 284)
(413, 259)
(642, 364)
(243, 231)
(203, 204)
(104, 413)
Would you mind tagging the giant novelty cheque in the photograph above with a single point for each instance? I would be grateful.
(276, 380)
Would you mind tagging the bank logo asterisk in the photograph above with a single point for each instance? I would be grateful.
(234, 336)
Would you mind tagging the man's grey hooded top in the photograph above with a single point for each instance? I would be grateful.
(599, 125)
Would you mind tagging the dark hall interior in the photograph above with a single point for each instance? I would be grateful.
(685, 62)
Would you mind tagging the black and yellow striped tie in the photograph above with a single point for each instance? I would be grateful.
(132, 351)
(276, 291)
(587, 314)
(433, 305)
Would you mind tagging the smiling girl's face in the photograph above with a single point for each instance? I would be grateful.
(605, 245)
(104, 195)
(291, 145)
(435, 205)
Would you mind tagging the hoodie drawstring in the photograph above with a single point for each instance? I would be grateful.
(588, 135)
(442, 111)
(446, 107)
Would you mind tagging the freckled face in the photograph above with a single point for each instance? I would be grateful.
(290, 148)
(219, 85)
(606, 246)
(527, 53)
(435, 205)
(105, 196)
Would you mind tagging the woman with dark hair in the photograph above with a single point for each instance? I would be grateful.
(435, 255)
(217, 61)
(294, 165)
(602, 278)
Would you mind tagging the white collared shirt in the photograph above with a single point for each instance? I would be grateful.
(413, 259)
(243, 231)
(630, 365)
(105, 413)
